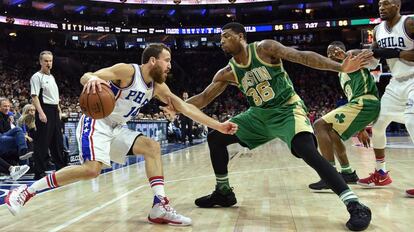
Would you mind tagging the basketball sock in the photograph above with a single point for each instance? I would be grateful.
(380, 165)
(332, 163)
(348, 196)
(157, 185)
(346, 169)
(47, 182)
(223, 185)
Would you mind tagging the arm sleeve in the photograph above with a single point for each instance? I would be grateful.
(35, 85)
(386, 53)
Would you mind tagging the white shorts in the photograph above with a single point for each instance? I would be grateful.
(396, 96)
(97, 140)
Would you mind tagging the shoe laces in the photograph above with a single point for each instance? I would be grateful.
(23, 197)
(169, 210)
(373, 177)
(358, 211)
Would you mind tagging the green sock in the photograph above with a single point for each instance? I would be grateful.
(332, 163)
(346, 169)
(223, 185)
(348, 196)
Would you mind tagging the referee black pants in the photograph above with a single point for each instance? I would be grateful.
(48, 137)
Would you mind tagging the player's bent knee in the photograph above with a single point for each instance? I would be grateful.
(92, 173)
(92, 169)
(152, 148)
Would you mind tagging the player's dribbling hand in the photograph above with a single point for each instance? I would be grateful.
(93, 83)
(228, 127)
(363, 138)
(354, 63)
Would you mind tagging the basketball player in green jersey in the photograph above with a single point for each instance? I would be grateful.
(363, 107)
(276, 111)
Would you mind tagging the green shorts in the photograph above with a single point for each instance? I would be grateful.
(354, 116)
(258, 126)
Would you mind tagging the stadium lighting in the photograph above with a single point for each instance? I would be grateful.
(171, 12)
(109, 11)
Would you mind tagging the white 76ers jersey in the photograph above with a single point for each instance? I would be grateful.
(129, 100)
(396, 37)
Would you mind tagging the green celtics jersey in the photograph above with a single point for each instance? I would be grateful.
(265, 85)
(358, 83)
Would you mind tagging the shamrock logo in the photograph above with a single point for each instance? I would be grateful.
(340, 118)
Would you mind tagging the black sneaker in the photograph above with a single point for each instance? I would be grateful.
(360, 216)
(319, 186)
(216, 198)
(350, 178)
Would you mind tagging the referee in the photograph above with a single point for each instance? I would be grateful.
(48, 136)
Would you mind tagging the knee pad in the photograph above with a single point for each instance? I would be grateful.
(379, 139)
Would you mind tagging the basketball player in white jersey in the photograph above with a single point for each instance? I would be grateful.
(394, 41)
(104, 140)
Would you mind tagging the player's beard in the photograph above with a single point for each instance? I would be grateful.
(157, 74)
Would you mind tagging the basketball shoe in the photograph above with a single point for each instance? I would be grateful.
(350, 178)
(410, 192)
(217, 198)
(360, 216)
(321, 185)
(163, 213)
(376, 180)
(17, 172)
(16, 199)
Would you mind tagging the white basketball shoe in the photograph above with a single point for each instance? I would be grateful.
(163, 213)
(16, 199)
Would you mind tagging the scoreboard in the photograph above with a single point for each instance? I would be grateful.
(312, 25)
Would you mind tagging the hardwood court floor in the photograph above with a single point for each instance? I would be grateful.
(270, 185)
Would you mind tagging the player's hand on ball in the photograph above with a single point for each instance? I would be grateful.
(94, 83)
(363, 138)
(228, 128)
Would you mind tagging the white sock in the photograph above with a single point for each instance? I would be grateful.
(49, 181)
(157, 185)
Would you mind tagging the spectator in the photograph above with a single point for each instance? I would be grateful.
(186, 125)
(11, 140)
(27, 123)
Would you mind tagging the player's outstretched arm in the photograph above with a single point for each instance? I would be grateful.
(165, 95)
(118, 72)
(311, 59)
(220, 81)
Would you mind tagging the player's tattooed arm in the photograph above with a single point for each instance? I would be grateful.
(221, 80)
(409, 28)
(312, 59)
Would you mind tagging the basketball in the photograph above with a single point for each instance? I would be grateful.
(98, 105)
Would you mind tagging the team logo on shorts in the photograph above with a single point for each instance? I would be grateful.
(340, 118)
